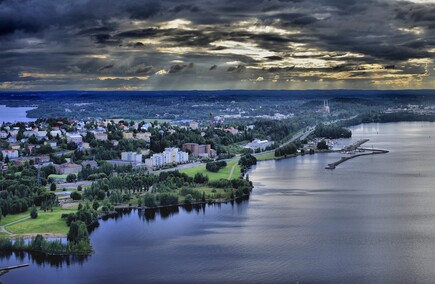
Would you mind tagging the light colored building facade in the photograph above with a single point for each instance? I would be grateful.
(100, 136)
(11, 153)
(131, 157)
(76, 138)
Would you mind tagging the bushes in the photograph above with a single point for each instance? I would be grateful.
(71, 178)
(322, 145)
(149, 200)
(33, 212)
(96, 176)
(200, 178)
(75, 195)
(215, 166)
(168, 199)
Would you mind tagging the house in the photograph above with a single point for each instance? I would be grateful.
(72, 137)
(232, 130)
(53, 144)
(68, 168)
(146, 136)
(11, 153)
(15, 146)
(127, 135)
(193, 125)
(92, 164)
(85, 146)
(101, 136)
(55, 133)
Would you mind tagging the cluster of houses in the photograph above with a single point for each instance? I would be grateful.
(76, 131)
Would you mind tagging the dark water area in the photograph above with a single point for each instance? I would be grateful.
(371, 220)
(14, 114)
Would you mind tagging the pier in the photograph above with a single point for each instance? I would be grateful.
(355, 147)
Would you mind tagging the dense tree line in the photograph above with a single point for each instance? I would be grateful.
(332, 131)
(288, 149)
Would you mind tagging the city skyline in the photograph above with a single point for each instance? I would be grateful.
(275, 44)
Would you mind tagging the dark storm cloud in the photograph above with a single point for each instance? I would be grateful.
(259, 38)
(105, 67)
(180, 67)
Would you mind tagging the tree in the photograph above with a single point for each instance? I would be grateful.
(7, 160)
(71, 178)
(78, 232)
(322, 145)
(149, 201)
(95, 205)
(75, 195)
(79, 188)
(188, 199)
(33, 212)
(52, 186)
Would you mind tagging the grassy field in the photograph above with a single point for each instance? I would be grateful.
(221, 174)
(53, 176)
(266, 156)
(46, 223)
(12, 218)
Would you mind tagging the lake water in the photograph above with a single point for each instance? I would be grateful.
(13, 114)
(370, 220)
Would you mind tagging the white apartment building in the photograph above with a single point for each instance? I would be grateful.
(131, 157)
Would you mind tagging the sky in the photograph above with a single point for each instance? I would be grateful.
(220, 44)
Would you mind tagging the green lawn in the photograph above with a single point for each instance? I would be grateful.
(221, 174)
(13, 217)
(266, 156)
(46, 223)
(53, 176)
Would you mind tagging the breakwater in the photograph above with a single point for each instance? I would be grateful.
(355, 147)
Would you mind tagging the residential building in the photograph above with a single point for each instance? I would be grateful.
(131, 157)
(92, 164)
(232, 130)
(101, 136)
(193, 125)
(11, 153)
(197, 150)
(53, 144)
(73, 137)
(68, 168)
(146, 136)
(127, 135)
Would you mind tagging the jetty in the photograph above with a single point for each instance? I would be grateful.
(356, 147)
(7, 269)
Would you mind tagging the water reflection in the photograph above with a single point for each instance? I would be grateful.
(42, 260)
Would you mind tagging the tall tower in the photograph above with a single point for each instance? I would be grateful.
(211, 120)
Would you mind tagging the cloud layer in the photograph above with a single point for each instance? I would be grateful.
(204, 44)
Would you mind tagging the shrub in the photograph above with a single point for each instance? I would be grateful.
(75, 195)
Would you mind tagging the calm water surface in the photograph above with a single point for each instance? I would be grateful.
(370, 220)
(13, 114)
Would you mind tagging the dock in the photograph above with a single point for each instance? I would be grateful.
(356, 147)
(7, 269)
